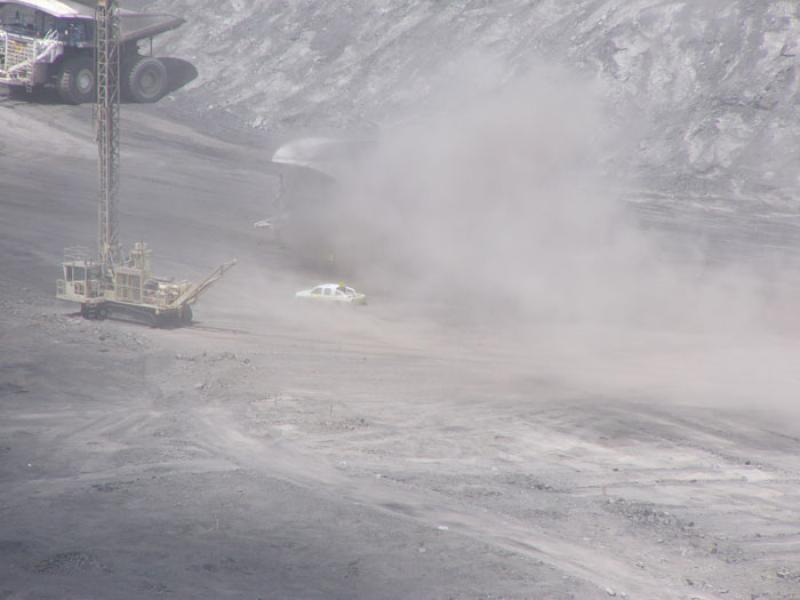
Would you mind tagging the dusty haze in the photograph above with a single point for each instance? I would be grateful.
(502, 209)
(576, 377)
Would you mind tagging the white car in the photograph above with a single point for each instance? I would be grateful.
(332, 292)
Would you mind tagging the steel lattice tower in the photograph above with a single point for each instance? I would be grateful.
(107, 126)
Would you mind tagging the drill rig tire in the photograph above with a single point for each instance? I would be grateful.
(76, 82)
(147, 80)
(186, 315)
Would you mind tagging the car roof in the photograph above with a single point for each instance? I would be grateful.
(332, 286)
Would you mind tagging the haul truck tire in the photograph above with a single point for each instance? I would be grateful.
(76, 82)
(147, 80)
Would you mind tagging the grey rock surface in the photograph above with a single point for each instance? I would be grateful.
(712, 86)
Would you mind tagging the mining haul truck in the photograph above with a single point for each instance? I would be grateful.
(52, 43)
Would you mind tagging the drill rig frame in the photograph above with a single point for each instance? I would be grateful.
(112, 284)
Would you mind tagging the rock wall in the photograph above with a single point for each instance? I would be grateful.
(712, 85)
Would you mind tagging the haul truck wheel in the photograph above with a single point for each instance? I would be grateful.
(186, 315)
(76, 81)
(147, 80)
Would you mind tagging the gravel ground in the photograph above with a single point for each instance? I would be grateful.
(273, 451)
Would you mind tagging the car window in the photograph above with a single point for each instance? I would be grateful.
(317, 291)
(340, 293)
(328, 292)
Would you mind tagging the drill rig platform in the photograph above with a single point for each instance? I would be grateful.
(130, 290)
(112, 284)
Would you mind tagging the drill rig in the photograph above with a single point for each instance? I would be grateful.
(110, 283)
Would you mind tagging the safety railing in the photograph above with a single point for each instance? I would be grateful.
(19, 54)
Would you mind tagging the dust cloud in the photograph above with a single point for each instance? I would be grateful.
(505, 202)
(503, 212)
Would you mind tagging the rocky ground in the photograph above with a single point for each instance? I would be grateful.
(276, 451)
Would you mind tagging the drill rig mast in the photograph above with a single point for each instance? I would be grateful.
(107, 128)
(111, 283)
